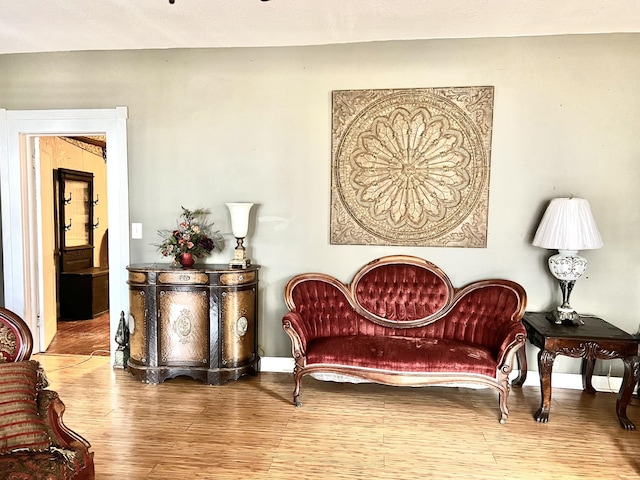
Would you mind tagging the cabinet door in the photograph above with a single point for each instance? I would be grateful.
(238, 327)
(183, 327)
(138, 325)
(100, 298)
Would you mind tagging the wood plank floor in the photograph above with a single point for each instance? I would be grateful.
(248, 429)
(82, 337)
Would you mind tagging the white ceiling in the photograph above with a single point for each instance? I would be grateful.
(64, 25)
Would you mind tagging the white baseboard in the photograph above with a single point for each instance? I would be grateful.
(277, 364)
(571, 381)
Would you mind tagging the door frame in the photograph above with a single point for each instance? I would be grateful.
(21, 243)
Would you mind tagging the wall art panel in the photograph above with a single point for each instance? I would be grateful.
(410, 167)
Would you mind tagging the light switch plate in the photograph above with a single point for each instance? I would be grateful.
(136, 230)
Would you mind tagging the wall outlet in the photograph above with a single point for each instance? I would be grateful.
(136, 230)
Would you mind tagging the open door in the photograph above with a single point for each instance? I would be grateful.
(47, 258)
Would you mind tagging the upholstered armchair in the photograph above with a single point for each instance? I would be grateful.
(34, 442)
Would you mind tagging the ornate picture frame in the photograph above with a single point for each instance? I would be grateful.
(410, 167)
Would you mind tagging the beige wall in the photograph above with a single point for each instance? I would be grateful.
(58, 153)
(212, 126)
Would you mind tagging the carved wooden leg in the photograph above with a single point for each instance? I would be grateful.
(629, 380)
(545, 365)
(521, 355)
(587, 373)
(503, 396)
(297, 378)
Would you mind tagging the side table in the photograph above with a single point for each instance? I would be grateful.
(595, 339)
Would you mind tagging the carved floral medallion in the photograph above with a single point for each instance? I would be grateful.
(411, 167)
(183, 326)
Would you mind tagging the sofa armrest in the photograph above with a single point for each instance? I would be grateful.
(51, 410)
(514, 339)
(70, 448)
(297, 330)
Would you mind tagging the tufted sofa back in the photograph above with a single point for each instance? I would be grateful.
(401, 292)
(405, 296)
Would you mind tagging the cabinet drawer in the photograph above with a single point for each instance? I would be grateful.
(183, 278)
(137, 277)
(237, 278)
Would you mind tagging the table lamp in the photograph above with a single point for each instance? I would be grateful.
(239, 226)
(567, 226)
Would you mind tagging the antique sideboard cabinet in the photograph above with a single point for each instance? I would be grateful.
(199, 322)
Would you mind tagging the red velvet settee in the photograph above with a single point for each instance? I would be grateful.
(34, 442)
(401, 322)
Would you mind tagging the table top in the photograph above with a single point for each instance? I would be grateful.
(594, 328)
(198, 267)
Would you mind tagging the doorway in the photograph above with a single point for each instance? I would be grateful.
(21, 204)
(74, 219)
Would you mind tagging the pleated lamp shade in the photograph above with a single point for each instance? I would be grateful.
(568, 224)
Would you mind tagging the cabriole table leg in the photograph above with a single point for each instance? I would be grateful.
(629, 381)
(545, 366)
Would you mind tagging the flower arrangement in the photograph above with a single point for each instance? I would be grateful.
(193, 235)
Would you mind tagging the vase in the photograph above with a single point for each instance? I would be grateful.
(186, 260)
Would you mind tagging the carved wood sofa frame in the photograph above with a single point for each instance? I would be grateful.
(403, 323)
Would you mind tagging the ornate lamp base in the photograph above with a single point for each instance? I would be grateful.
(239, 259)
(562, 316)
(567, 267)
(240, 263)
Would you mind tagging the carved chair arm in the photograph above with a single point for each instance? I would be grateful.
(51, 410)
(514, 339)
(297, 330)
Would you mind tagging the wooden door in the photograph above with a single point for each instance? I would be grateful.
(49, 311)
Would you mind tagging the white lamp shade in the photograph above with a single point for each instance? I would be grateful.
(239, 218)
(568, 224)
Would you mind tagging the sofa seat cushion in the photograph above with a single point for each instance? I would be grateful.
(402, 354)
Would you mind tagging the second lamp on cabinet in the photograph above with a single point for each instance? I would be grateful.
(239, 212)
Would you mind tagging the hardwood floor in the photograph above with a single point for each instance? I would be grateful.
(82, 337)
(248, 429)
